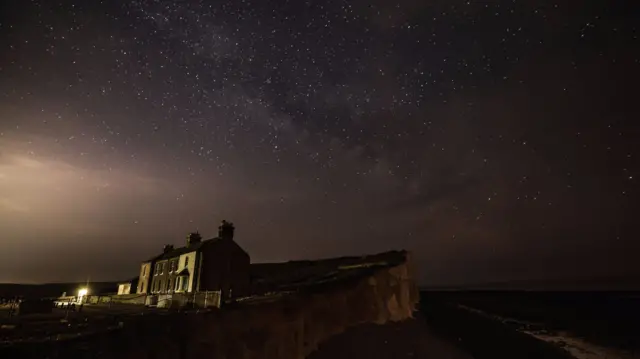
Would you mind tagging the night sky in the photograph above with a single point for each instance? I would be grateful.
(496, 140)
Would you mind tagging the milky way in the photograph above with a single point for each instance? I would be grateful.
(495, 141)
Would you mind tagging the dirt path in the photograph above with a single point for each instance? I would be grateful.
(408, 339)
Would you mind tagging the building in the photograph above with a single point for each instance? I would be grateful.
(217, 264)
(126, 287)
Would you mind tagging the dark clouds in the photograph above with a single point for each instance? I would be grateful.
(496, 141)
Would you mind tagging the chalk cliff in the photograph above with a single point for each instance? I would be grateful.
(282, 325)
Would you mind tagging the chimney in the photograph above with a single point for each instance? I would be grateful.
(226, 230)
(193, 238)
(167, 248)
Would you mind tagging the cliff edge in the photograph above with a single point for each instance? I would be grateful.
(302, 304)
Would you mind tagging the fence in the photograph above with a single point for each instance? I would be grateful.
(139, 299)
(209, 299)
(206, 299)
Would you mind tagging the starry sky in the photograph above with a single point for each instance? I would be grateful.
(496, 140)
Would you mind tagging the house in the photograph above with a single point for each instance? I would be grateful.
(125, 287)
(217, 264)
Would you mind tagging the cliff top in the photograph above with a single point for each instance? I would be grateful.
(307, 275)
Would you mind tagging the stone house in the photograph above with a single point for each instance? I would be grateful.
(217, 264)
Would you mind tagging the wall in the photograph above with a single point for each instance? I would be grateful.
(285, 327)
(170, 282)
(144, 282)
(160, 276)
(225, 267)
(191, 267)
(124, 288)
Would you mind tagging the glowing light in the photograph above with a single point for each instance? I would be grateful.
(82, 292)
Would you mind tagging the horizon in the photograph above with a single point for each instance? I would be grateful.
(570, 284)
(516, 285)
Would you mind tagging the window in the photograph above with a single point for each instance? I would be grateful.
(186, 261)
(185, 283)
(178, 283)
(169, 285)
(144, 270)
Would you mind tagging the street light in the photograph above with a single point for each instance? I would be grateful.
(82, 292)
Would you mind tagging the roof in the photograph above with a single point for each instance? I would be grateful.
(181, 250)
